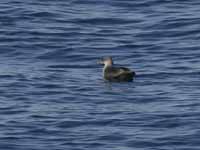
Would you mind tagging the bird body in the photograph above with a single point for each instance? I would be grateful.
(116, 74)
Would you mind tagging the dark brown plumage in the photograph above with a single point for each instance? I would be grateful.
(116, 74)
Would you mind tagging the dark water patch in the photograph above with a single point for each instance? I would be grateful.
(49, 86)
(69, 124)
(112, 137)
(104, 21)
(43, 14)
(13, 112)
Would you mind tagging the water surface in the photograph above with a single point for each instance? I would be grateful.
(52, 94)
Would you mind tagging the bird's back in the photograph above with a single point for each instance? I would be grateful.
(118, 74)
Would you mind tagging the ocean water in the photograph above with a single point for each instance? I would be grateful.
(53, 97)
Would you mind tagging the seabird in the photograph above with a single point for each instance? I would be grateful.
(115, 74)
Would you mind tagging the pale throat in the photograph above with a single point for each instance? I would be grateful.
(107, 64)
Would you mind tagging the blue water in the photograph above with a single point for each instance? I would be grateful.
(53, 97)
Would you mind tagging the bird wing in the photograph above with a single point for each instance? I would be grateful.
(116, 72)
